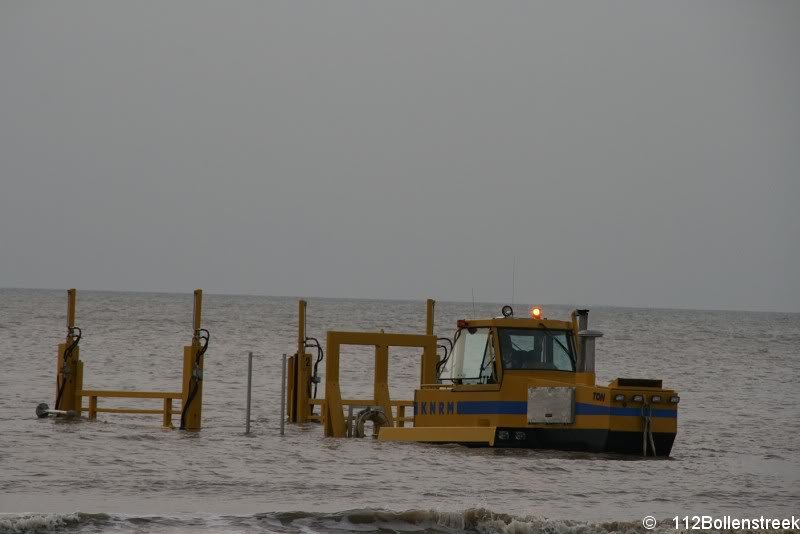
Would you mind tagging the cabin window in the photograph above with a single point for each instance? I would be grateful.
(537, 349)
(473, 358)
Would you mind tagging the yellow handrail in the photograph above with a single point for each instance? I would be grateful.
(166, 411)
(69, 376)
(125, 410)
(131, 394)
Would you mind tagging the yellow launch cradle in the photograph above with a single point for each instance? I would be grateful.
(300, 404)
(69, 378)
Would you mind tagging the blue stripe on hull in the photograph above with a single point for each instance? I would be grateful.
(592, 409)
(492, 408)
(521, 408)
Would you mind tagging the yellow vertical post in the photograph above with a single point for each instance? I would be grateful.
(401, 414)
(429, 356)
(59, 368)
(78, 403)
(71, 298)
(381, 385)
(192, 392)
(167, 413)
(429, 317)
(69, 371)
(302, 368)
(334, 418)
(301, 327)
(291, 382)
(68, 384)
(188, 381)
(93, 407)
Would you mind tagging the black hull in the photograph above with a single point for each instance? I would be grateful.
(569, 439)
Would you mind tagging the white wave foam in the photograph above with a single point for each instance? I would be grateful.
(475, 520)
(37, 522)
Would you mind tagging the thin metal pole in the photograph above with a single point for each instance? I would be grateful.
(473, 303)
(513, 279)
(283, 394)
(349, 420)
(249, 386)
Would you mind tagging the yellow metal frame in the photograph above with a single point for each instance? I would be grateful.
(69, 373)
(299, 404)
(333, 417)
(193, 373)
(166, 411)
(74, 392)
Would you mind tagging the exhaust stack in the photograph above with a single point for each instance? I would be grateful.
(587, 337)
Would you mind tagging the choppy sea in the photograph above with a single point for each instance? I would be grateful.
(737, 452)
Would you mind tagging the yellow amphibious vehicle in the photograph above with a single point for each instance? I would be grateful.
(500, 382)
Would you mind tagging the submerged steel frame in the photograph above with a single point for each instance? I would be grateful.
(333, 408)
(300, 405)
(70, 374)
(69, 367)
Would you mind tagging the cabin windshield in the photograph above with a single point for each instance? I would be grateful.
(472, 360)
(536, 349)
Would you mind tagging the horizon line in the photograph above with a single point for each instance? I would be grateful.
(377, 299)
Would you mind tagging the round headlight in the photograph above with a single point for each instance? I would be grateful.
(508, 311)
(638, 398)
(619, 397)
(655, 398)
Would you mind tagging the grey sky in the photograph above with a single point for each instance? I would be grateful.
(628, 153)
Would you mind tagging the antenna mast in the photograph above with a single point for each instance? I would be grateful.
(513, 281)
(473, 303)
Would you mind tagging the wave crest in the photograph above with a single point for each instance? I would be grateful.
(48, 522)
(474, 520)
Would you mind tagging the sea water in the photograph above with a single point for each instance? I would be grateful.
(736, 453)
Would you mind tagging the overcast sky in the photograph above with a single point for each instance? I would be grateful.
(627, 153)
